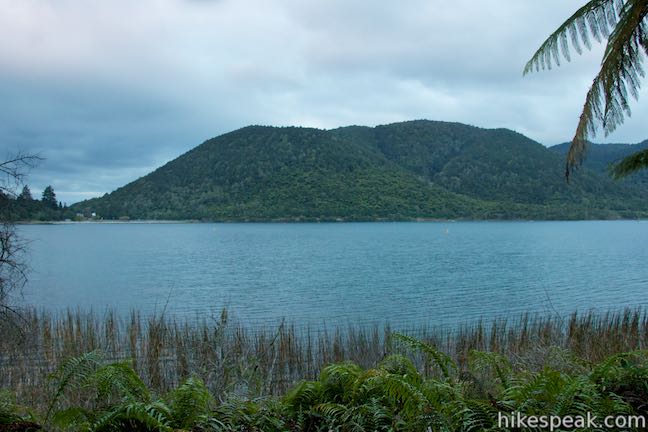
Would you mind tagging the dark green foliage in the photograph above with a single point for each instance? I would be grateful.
(49, 197)
(8, 409)
(395, 396)
(189, 403)
(418, 169)
(607, 159)
(72, 373)
(25, 195)
(496, 165)
(25, 208)
(630, 164)
(626, 375)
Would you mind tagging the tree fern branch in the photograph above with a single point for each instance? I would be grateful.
(595, 18)
(630, 164)
(607, 100)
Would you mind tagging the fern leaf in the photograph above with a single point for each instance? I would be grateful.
(442, 360)
(595, 18)
(75, 370)
(120, 379)
(630, 164)
(478, 360)
(189, 402)
(607, 101)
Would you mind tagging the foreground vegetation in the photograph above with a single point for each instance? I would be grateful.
(89, 372)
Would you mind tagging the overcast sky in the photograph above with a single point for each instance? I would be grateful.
(107, 90)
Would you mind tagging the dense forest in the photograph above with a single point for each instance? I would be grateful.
(416, 169)
(24, 206)
(601, 156)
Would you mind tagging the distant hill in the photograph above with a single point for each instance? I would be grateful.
(600, 156)
(416, 169)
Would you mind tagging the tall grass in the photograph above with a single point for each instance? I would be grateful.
(232, 359)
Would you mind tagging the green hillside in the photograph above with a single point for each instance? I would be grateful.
(259, 173)
(417, 169)
(491, 164)
(600, 156)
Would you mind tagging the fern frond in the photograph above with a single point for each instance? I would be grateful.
(400, 393)
(623, 24)
(626, 368)
(253, 415)
(596, 18)
(400, 365)
(119, 379)
(535, 395)
(630, 164)
(75, 370)
(233, 412)
(73, 418)
(330, 410)
(479, 360)
(135, 416)
(477, 415)
(8, 408)
(339, 379)
(441, 359)
(189, 401)
(607, 101)
(304, 394)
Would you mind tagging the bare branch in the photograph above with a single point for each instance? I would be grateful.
(14, 169)
(13, 267)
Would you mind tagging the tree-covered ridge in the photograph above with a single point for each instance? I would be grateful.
(488, 164)
(601, 157)
(417, 169)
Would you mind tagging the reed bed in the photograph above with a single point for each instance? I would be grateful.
(232, 359)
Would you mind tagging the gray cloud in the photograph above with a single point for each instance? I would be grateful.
(110, 90)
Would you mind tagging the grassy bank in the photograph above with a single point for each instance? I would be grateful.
(231, 364)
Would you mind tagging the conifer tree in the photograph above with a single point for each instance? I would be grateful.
(49, 197)
(26, 194)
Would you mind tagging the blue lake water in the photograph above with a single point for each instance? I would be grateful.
(438, 273)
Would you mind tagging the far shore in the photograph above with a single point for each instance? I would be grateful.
(305, 220)
(143, 221)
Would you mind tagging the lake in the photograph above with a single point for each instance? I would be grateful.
(437, 273)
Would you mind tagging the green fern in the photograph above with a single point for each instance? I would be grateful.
(479, 361)
(304, 395)
(442, 360)
(119, 380)
(74, 419)
(476, 415)
(8, 409)
(189, 403)
(248, 415)
(73, 371)
(400, 365)
(135, 417)
(625, 375)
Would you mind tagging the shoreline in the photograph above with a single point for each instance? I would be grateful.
(306, 221)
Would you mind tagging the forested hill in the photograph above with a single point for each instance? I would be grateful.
(599, 157)
(416, 169)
